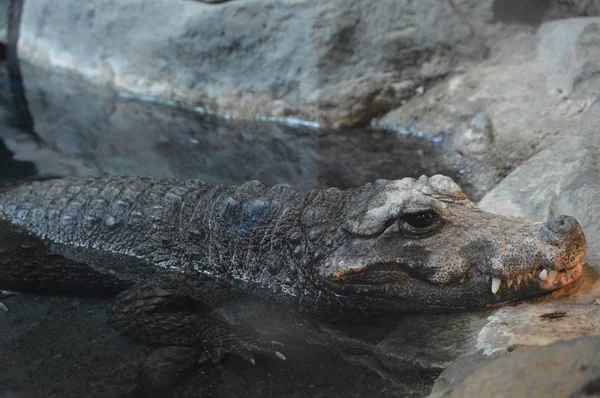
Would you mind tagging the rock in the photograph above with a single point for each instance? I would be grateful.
(563, 179)
(404, 89)
(4, 7)
(544, 322)
(357, 101)
(476, 141)
(563, 369)
(570, 50)
(244, 57)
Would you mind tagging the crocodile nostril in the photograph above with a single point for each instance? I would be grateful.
(562, 225)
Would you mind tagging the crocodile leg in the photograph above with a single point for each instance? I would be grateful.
(159, 313)
(5, 294)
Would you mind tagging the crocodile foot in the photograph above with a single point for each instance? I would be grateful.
(162, 314)
(5, 294)
(216, 347)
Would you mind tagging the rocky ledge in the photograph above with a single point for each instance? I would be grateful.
(335, 62)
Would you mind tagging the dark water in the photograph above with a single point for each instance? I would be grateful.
(78, 129)
(53, 125)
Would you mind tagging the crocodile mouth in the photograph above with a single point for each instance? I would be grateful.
(546, 278)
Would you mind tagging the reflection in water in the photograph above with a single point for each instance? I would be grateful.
(94, 131)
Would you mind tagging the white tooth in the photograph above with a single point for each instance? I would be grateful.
(519, 279)
(543, 275)
(530, 276)
(495, 285)
(509, 282)
(551, 275)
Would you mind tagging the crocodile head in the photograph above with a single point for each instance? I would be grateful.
(422, 245)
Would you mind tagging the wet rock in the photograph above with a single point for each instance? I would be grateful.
(563, 369)
(570, 50)
(477, 140)
(281, 55)
(563, 179)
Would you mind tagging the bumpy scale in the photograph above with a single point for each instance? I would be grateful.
(183, 248)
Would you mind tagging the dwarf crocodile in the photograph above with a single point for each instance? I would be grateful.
(175, 249)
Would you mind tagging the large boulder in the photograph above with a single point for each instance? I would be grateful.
(249, 58)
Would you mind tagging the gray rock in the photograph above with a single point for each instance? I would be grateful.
(249, 58)
(570, 50)
(4, 21)
(563, 369)
(563, 179)
(477, 140)
(357, 101)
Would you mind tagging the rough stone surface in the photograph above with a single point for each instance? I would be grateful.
(563, 179)
(329, 61)
(532, 324)
(477, 140)
(511, 88)
(570, 50)
(282, 56)
(564, 369)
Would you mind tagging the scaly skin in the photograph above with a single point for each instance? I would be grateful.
(390, 246)
(309, 246)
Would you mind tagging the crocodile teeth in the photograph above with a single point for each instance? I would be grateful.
(519, 279)
(509, 282)
(495, 285)
(551, 275)
(569, 272)
(543, 275)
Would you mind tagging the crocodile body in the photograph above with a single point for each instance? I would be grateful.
(389, 246)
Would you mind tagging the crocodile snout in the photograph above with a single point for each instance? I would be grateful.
(561, 229)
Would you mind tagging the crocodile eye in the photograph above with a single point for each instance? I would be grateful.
(420, 220)
(421, 223)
